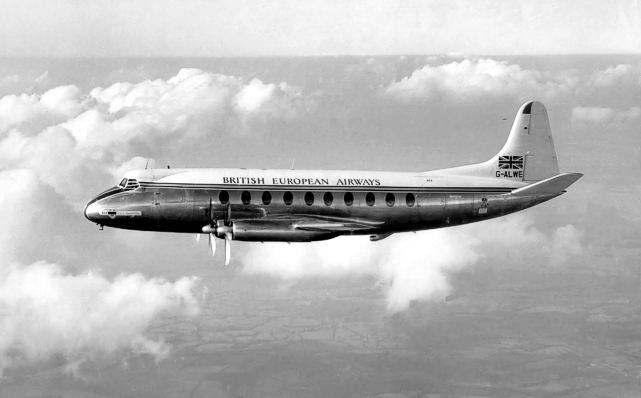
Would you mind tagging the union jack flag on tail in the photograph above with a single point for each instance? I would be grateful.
(511, 162)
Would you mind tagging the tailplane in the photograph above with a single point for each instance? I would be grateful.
(550, 186)
(528, 155)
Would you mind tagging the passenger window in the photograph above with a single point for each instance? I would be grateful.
(370, 199)
(328, 198)
(267, 198)
(245, 197)
(390, 199)
(288, 198)
(410, 199)
(309, 198)
(349, 198)
(223, 196)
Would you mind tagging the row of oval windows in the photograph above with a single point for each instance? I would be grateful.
(328, 198)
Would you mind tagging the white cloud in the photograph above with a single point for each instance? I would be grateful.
(135, 163)
(473, 78)
(66, 137)
(66, 100)
(20, 193)
(46, 311)
(59, 146)
(414, 266)
(16, 109)
(373, 72)
(27, 82)
(566, 243)
(611, 75)
(604, 115)
(52, 107)
(10, 80)
(257, 99)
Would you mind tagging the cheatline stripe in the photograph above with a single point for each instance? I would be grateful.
(324, 187)
(105, 194)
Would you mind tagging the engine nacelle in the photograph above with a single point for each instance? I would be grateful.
(271, 231)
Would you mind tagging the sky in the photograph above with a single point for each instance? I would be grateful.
(70, 128)
(302, 28)
(89, 91)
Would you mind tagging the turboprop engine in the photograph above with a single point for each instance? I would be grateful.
(257, 230)
(267, 231)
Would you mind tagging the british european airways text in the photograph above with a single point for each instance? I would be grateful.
(300, 181)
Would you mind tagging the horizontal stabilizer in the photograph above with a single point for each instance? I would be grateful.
(550, 186)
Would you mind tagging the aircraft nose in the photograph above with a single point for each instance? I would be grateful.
(92, 211)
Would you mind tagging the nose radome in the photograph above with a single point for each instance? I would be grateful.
(92, 211)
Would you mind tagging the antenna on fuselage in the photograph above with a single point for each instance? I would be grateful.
(147, 164)
(294, 162)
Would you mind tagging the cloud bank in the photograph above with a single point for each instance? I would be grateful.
(459, 78)
(65, 136)
(473, 78)
(604, 115)
(46, 311)
(49, 143)
(417, 266)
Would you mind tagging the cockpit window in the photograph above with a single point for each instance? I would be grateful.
(131, 184)
(123, 183)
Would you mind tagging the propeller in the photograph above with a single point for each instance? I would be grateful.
(212, 245)
(227, 248)
(228, 235)
(221, 229)
(212, 225)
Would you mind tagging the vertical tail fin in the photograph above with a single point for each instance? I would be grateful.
(528, 155)
(529, 147)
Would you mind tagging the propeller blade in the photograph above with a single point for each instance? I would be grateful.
(228, 214)
(227, 248)
(211, 213)
(212, 244)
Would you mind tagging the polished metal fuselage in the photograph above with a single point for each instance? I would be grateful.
(420, 202)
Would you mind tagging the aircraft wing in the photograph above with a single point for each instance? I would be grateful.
(549, 186)
(331, 227)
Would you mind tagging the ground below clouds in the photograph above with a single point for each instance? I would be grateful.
(500, 333)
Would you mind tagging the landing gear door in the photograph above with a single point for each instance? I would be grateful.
(431, 206)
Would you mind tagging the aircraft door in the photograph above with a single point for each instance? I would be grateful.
(174, 204)
(431, 206)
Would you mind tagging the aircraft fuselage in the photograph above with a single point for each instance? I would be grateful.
(278, 205)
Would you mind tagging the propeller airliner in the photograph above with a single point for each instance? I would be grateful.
(312, 205)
